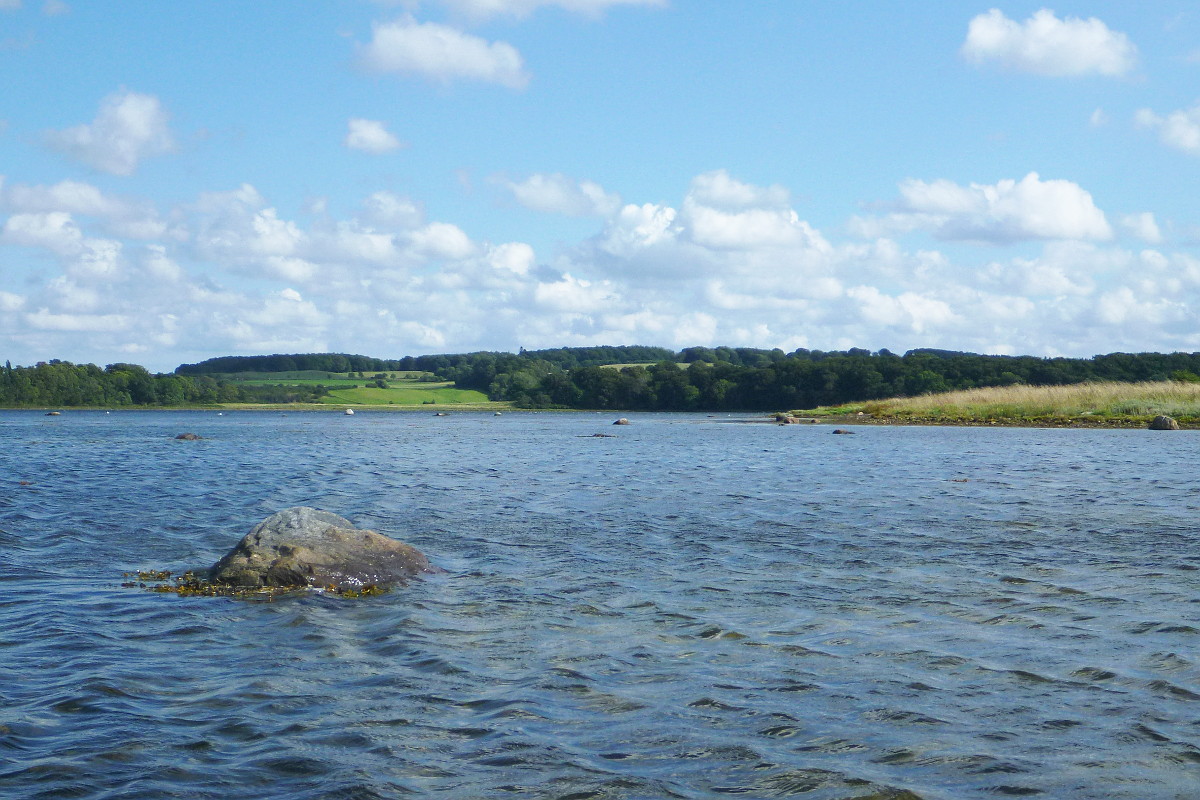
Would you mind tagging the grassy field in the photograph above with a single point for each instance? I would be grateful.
(1087, 404)
(315, 377)
(405, 395)
(345, 389)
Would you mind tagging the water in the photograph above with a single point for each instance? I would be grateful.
(690, 609)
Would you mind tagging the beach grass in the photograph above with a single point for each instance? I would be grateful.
(1098, 404)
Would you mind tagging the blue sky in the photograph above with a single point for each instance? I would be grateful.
(180, 181)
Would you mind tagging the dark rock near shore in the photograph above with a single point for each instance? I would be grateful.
(841, 430)
(302, 546)
(621, 421)
(189, 437)
(1163, 423)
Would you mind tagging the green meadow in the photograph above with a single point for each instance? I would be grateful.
(353, 389)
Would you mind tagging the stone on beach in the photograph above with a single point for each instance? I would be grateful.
(304, 546)
(1164, 423)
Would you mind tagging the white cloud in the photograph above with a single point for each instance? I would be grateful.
(558, 194)
(753, 228)
(122, 217)
(1098, 118)
(442, 240)
(55, 231)
(238, 225)
(10, 301)
(128, 128)
(55, 8)
(717, 189)
(9, 5)
(1143, 226)
(637, 227)
(574, 295)
(1047, 45)
(371, 137)
(482, 9)
(159, 266)
(391, 211)
(100, 259)
(441, 53)
(1179, 129)
(909, 310)
(515, 257)
(1008, 211)
(43, 319)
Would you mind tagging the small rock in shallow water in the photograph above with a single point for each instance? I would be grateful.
(189, 437)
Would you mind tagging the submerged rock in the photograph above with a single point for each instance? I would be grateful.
(1163, 423)
(189, 437)
(303, 546)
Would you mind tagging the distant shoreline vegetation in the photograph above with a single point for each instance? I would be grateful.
(634, 378)
(1107, 404)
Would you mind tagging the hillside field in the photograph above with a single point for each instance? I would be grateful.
(403, 388)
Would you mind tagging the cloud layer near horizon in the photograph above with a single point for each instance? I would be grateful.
(730, 263)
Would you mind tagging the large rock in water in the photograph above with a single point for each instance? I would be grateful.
(303, 546)
(1163, 423)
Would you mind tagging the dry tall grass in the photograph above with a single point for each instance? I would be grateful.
(1109, 399)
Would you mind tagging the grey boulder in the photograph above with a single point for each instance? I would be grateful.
(303, 546)
(1164, 423)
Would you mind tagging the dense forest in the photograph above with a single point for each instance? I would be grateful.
(729, 379)
(634, 378)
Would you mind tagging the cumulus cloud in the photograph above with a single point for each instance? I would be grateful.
(371, 137)
(1005, 212)
(730, 262)
(1047, 45)
(558, 194)
(55, 231)
(1179, 129)
(1143, 226)
(129, 127)
(441, 53)
(909, 310)
(717, 189)
(122, 217)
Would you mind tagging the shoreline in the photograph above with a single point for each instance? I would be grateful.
(802, 418)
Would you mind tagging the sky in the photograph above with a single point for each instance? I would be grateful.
(399, 177)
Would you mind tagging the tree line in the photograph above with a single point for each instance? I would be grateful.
(61, 383)
(643, 378)
(746, 379)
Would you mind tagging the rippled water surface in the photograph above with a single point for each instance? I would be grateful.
(691, 608)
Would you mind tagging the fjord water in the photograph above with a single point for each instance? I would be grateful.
(691, 608)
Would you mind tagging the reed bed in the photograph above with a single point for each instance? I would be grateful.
(1096, 402)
